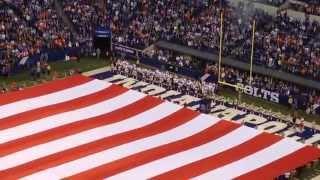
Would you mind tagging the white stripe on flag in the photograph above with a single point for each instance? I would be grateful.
(154, 168)
(70, 117)
(52, 98)
(188, 129)
(42, 150)
(23, 60)
(266, 156)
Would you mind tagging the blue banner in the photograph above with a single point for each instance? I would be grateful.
(125, 51)
(103, 32)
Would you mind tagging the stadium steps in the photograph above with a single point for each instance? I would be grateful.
(64, 17)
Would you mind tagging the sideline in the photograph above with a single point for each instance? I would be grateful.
(96, 71)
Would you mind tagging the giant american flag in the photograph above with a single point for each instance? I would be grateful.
(83, 128)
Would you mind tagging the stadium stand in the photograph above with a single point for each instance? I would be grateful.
(85, 16)
(282, 43)
(280, 40)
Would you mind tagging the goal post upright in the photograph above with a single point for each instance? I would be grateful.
(236, 86)
(220, 56)
(252, 50)
(221, 41)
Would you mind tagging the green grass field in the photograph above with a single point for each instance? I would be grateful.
(61, 67)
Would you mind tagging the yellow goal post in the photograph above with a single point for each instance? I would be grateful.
(236, 86)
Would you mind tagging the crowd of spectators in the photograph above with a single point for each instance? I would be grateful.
(27, 28)
(9, 23)
(192, 23)
(170, 58)
(165, 79)
(43, 18)
(286, 45)
(85, 16)
(281, 42)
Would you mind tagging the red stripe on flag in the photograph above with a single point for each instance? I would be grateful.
(74, 104)
(205, 136)
(238, 152)
(43, 89)
(283, 165)
(79, 126)
(56, 159)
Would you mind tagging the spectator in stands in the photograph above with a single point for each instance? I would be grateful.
(166, 79)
